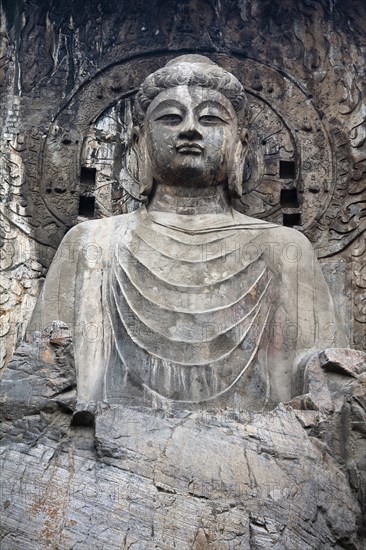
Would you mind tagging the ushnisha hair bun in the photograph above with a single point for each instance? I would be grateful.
(190, 70)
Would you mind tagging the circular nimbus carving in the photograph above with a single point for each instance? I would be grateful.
(89, 169)
(292, 174)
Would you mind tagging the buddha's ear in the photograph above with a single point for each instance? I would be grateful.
(236, 165)
(143, 161)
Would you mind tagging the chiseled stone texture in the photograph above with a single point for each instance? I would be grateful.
(141, 478)
(68, 75)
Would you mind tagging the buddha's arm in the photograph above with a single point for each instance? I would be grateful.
(57, 298)
(319, 324)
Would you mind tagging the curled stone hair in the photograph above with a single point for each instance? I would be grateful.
(190, 70)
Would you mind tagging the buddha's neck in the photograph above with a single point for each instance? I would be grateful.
(189, 201)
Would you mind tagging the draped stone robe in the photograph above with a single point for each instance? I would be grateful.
(188, 311)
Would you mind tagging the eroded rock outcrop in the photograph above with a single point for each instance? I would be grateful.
(133, 477)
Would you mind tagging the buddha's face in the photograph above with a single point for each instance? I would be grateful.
(189, 133)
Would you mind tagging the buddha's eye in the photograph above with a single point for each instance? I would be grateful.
(173, 119)
(211, 119)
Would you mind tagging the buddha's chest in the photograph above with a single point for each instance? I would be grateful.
(190, 311)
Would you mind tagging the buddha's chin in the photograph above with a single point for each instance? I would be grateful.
(188, 176)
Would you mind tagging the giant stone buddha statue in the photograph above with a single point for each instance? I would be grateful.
(187, 302)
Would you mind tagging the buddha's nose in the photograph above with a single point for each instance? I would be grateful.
(189, 129)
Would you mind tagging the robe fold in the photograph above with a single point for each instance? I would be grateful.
(188, 311)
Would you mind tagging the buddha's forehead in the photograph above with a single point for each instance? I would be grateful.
(191, 97)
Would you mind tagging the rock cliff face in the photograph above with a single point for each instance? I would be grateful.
(131, 477)
(134, 477)
(68, 75)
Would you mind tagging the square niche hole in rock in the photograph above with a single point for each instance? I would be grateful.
(86, 206)
(289, 199)
(88, 176)
(287, 169)
(290, 220)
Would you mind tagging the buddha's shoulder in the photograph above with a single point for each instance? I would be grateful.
(272, 233)
(286, 235)
(95, 231)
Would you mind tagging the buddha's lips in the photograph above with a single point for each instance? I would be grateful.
(189, 148)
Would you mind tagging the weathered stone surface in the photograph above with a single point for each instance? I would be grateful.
(193, 302)
(91, 474)
(41, 374)
(292, 478)
(334, 382)
(68, 76)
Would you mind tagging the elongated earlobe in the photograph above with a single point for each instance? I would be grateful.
(236, 166)
(144, 166)
(235, 175)
(145, 177)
